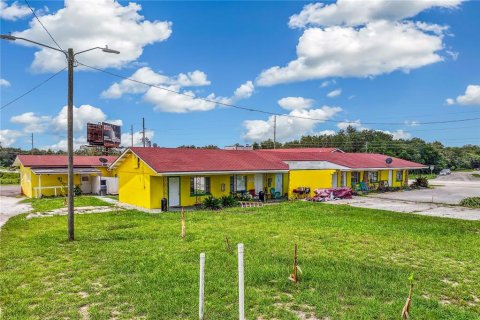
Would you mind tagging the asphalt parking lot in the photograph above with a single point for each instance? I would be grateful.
(440, 201)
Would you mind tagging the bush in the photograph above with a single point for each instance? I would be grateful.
(77, 191)
(471, 202)
(229, 201)
(420, 182)
(244, 197)
(212, 203)
(9, 178)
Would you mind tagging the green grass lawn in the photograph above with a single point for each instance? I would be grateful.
(9, 177)
(413, 176)
(131, 265)
(46, 204)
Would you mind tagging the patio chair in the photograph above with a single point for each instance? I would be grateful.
(364, 186)
(275, 194)
(253, 193)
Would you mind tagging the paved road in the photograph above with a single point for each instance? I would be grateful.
(448, 190)
(10, 205)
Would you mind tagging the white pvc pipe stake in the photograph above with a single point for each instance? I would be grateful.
(201, 292)
(241, 288)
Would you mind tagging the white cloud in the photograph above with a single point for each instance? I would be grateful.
(325, 133)
(471, 96)
(14, 11)
(137, 138)
(412, 123)
(167, 101)
(377, 48)
(354, 12)
(172, 102)
(244, 91)
(84, 24)
(4, 83)
(326, 83)
(8, 137)
(145, 74)
(357, 124)
(334, 93)
(33, 122)
(288, 127)
(292, 103)
(63, 144)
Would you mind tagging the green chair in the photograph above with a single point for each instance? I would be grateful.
(275, 194)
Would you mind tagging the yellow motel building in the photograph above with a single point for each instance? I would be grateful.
(46, 175)
(186, 176)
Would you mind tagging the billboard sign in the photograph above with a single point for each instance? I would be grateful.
(103, 134)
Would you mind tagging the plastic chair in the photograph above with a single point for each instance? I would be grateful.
(275, 194)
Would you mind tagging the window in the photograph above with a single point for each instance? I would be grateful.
(199, 186)
(85, 179)
(241, 183)
(372, 176)
(399, 175)
(355, 179)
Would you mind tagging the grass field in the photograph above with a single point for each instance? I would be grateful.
(133, 265)
(46, 204)
(9, 177)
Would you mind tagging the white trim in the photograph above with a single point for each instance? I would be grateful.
(111, 167)
(314, 165)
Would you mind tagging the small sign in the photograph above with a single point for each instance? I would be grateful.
(432, 167)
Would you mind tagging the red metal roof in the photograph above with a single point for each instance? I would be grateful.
(302, 150)
(207, 160)
(56, 161)
(164, 160)
(350, 160)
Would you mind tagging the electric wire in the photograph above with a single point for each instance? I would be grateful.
(263, 111)
(33, 89)
(45, 28)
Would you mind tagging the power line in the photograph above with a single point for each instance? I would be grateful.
(32, 89)
(45, 28)
(263, 111)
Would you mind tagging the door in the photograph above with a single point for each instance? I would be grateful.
(390, 178)
(173, 191)
(278, 183)
(258, 183)
(86, 184)
(344, 179)
(334, 180)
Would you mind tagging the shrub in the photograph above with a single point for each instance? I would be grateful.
(420, 182)
(77, 191)
(212, 203)
(471, 202)
(244, 197)
(229, 201)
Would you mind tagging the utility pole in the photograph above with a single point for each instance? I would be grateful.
(31, 151)
(143, 131)
(71, 232)
(70, 56)
(366, 146)
(131, 134)
(274, 132)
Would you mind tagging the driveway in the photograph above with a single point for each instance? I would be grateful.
(10, 205)
(441, 201)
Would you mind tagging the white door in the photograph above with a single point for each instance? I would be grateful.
(278, 183)
(173, 191)
(258, 183)
(344, 179)
(390, 178)
(86, 184)
(334, 180)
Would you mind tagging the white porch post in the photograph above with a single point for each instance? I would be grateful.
(39, 185)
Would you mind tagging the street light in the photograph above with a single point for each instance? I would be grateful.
(70, 55)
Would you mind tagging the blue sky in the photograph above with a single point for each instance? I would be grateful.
(365, 63)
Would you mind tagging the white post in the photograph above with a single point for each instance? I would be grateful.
(201, 293)
(40, 184)
(241, 290)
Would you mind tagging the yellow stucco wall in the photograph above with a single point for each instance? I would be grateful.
(134, 183)
(314, 179)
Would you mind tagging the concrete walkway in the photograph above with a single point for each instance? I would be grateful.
(422, 208)
(10, 205)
